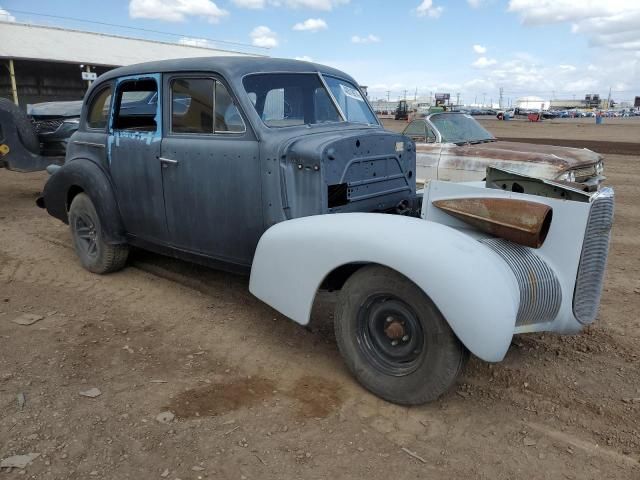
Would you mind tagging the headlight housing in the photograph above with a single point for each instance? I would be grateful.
(568, 176)
(600, 167)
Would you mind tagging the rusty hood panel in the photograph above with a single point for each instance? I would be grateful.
(562, 158)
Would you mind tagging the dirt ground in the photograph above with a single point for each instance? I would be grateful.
(256, 396)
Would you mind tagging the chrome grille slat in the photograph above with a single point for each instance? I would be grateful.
(589, 171)
(540, 293)
(593, 259)
(47, 126)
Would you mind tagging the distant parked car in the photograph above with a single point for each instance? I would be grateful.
(455, 147)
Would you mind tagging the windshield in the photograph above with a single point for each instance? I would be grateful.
(460, 128)
(288, 99)
(351, 101)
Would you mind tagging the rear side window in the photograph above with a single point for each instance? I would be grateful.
(192, 105)
(136, 106)
(99, 109)
(203, 106)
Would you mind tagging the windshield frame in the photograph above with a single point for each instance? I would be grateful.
(429, 121)
(329, 93)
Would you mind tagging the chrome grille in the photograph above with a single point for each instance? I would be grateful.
(540, 293)
(593, 259)
(583, 172)
(47, 126)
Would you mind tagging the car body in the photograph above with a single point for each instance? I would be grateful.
(455, 147)
(280, 168)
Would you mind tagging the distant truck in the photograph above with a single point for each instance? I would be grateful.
(402, 111)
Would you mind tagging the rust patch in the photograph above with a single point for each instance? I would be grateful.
(221, 398)
(317, 396)
(519, 221)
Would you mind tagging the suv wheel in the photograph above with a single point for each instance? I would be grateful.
(393, 338)
(95, 254)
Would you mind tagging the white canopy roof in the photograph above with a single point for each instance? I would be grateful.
(35, 42)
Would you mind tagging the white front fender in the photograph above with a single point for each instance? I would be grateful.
(470, 284)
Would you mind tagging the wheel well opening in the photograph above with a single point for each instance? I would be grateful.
(73, 191)
(338, 276)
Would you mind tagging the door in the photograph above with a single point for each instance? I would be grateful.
(427, 150)
(211, 171)
(134, 149)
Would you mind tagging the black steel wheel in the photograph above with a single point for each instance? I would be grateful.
(390, 335)
(393, 338)
(95, 254)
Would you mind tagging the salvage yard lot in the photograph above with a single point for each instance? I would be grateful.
(256, 396)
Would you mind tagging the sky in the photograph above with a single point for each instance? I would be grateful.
(544, 48)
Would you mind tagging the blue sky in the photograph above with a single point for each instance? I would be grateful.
(474, 47)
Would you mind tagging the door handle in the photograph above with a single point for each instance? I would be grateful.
(167, 161)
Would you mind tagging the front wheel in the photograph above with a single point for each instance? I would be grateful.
(96, 255)
(393, 338)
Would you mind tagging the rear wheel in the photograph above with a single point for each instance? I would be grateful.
(95, 254)
(393, 338)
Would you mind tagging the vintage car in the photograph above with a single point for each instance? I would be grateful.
(280, 169)
(455, 147)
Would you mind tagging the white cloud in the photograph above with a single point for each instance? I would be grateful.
(264, 37)
(305, 58)
(614, 24)
(475, 3)
(325, 5)
(6, 16)
(479, 49)
(311, 25)
(254, 4)
(175, 10)
(371, 38)
(428, 9)
(484, 62)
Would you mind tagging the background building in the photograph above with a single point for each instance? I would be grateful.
(41, 63)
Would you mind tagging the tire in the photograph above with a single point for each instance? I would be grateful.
(379, 306)
(23, 125)
(95, 254)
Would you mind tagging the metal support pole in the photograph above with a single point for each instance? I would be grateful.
(14, 88)
(87, 69)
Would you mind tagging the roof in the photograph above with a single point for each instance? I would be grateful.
(231, 67)
(35, 42)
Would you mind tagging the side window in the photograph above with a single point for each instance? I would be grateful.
(192, 105)
(228, 118)
(417, 131)
(135, 106)
(99, 109)
(204, 106)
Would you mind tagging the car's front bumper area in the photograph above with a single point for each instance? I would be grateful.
(54, 135)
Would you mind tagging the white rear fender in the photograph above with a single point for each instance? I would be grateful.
(469, 283)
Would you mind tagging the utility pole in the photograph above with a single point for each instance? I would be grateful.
(405, 94)
(500, 101)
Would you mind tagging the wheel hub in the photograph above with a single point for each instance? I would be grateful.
(391, 335)
(394, 329)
